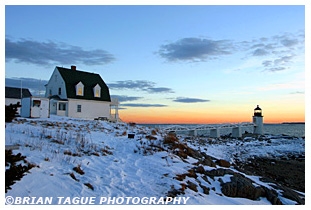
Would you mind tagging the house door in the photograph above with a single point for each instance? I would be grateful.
(53, 107)
(62, 108)
(35, 112)
(35, 108)
(44, 109)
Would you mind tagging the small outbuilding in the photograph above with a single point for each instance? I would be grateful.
(14, 95)
(35, 107)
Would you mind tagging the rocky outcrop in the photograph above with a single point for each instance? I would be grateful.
(272, 196)
(223, 163)
(242, 187)
(238, 186)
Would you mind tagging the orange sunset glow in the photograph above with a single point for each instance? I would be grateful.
(162, 116)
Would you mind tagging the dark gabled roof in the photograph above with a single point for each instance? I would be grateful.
(89, 80)
(14, 92)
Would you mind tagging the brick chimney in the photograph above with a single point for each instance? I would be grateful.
(73, 68)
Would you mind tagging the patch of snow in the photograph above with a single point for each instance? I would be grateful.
(116, 166)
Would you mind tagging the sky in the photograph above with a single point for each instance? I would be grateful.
(168, 63)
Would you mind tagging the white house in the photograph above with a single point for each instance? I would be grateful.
(78, 94)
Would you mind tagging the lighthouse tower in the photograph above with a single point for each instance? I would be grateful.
(258, 121)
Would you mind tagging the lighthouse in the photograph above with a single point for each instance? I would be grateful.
(258, 121)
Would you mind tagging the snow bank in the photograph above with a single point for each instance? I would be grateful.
(112, 165)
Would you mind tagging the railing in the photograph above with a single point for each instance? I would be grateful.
(208, 127)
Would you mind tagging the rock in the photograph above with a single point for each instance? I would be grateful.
(170, 139)
(240, 186)
(272, 196)
(205, 189)
(191, 173)
(153, 132)
(206, 179)
(194, 153)
(218, 172)
(150, 137)
(181, 154)
(223, 163)
(180, 177)
(292, 195)
(192, 186)
(199, 170)
(172, 133)
(205, 160)
(174, 192)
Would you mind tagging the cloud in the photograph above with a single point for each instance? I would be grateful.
(131, 84)
(159, 90)
(289, 40)
(190, 100)
(275, 69)
(143, 105)
(283, 60)
(260, 52)
(278, 51)
(267, 63)
(123, 98)
(195, 49)
(45, 53)
(35, 86)
(298, 92)
(278, 64)
(141, 85)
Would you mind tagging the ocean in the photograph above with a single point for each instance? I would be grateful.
(297, 130)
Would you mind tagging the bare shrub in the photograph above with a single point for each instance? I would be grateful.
(153, 132)
(89, 186)
(72, 175)
(78, 170)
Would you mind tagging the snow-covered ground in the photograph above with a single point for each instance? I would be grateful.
(119, 168)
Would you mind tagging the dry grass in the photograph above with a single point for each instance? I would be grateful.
(78, 170)
(89, 186)
(150, 137)
(154, 132)
(170, 139)
(72, 175)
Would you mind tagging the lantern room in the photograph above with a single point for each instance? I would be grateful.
(258, 111)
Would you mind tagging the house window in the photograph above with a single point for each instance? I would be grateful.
(96, 90)
(36, 103)
(50, 92)
(80, 89)
(97, 93)
(62, 106)
(79, 108)
(59, 91)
